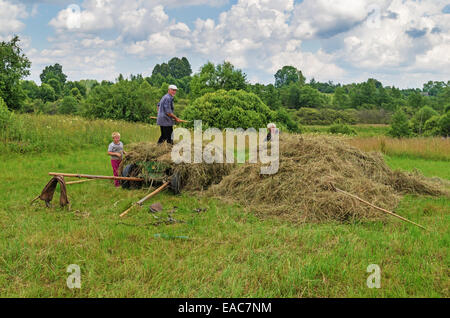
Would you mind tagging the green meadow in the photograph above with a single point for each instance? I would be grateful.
(223, 251)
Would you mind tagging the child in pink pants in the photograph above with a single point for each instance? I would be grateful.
(115, 150)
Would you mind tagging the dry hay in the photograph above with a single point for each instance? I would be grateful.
(301, 189)
(194, 177)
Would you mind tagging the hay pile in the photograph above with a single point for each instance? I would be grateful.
(194, 177)
(301, 190)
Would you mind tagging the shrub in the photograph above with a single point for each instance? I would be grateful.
(68, 105)
(339, 128)
(325, 116)
(419, 119)
(5, 115)
(431, 127)
(444, 124)
(229, 109)
(126, 100)
(399, 125)
(373, 116)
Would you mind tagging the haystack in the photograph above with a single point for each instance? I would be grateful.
(301, 190)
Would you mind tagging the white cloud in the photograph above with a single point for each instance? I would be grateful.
(402, 43)
(358, 39)
(10, 18)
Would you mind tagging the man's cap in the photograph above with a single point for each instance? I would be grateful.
(173, 87)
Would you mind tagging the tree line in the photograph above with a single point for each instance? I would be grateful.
(224, 91)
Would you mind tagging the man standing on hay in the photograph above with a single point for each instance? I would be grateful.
(166, 117)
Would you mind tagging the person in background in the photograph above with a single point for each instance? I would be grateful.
(115, 150)
(272, 130)
(166, 117)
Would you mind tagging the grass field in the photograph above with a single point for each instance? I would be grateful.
(223, 252)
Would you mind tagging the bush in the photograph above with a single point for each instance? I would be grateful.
(339, 128)
(325, 116)
(374, 116)
(444, 125)
(5, 115)
(235, 109)
(399, 125)
(125, 100)
(419, 119)
(431, 127)
(68, 105)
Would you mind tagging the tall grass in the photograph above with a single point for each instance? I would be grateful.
(436, 148)
(54, 133)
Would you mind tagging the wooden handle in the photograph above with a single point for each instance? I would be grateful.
(165, 185)
(376, 207)
(80, 181)
(88, 176)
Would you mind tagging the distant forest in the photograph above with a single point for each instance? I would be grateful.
(292, 100)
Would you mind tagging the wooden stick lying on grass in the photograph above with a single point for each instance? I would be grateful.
(165, 185)
(378, 208)
(88, 176)
(80, 181)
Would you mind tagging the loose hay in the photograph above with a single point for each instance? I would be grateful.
(301, 189)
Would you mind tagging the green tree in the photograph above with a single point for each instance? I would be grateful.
(212, 78)
(444, 124)
(420, 117)
(53, 82)
(415, 100)
(340, 98)
(433, 88)
(75, 92)
(310, 97)
(55, 72)
(126, 100)
(431, 127)
(30, 88)
(47, 93)
(399, 125)
(68, 105)
(179, 68)
(229, 109)
(14, 66)
(287, 75)
(5, 116)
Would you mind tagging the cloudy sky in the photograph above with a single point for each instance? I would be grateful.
(399, 42)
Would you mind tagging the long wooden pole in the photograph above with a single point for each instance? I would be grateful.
(378, 208)
(81, 181)
(165, 185)
(88, 176)
(183, 121)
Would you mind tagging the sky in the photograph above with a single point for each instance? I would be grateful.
(402, 43)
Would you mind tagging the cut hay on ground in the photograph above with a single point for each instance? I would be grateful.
(301, 190)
